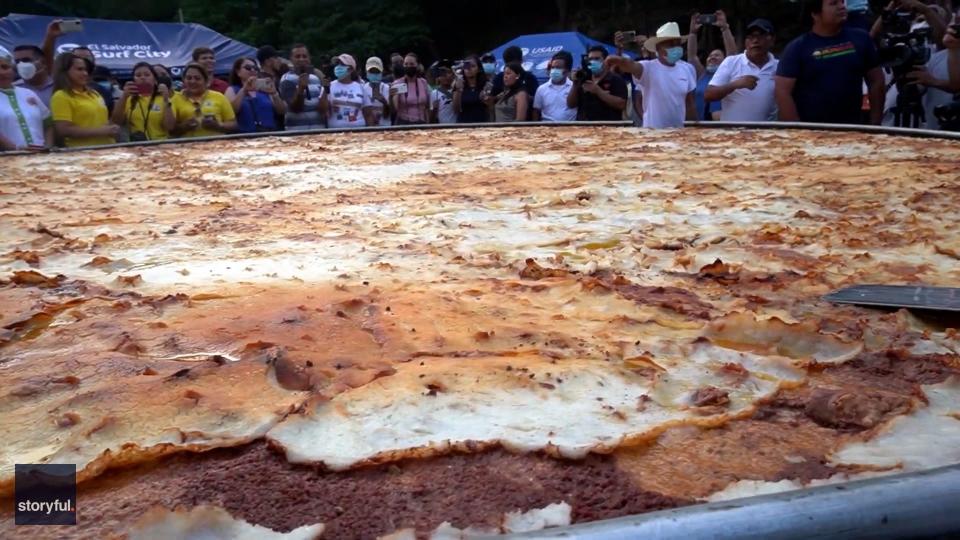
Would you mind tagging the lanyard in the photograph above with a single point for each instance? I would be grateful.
(22, 120)
(146, 114)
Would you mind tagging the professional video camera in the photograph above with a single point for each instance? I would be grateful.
(949, 116)
(902, 51)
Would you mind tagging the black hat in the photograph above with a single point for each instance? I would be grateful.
(265, 53)
(488, 59)
(761, 24)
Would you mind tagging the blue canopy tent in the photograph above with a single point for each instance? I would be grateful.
(538, 49)
(119, 45)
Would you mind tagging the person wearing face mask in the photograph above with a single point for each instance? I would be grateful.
(25, 122)
(550, 103)
(488, 64)
(144, 107)
(603, 96)
(396, 68)
(469, 93)
(744, 82)
(79, 113)
(346, 97)
(411, 94)
(33, 72)
(377, 94)
(668, 83)
(708, 110)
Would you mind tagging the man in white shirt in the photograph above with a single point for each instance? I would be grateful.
(550, 101)
(744, 82)
(668, 83)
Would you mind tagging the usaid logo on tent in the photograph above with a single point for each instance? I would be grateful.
(108, 51)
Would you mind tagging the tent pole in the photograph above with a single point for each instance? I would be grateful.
(180, 14)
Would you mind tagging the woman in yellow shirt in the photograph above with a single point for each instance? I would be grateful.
(79, 113)
(144, 106)
(199, 111)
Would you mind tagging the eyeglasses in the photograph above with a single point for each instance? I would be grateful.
(249, 67)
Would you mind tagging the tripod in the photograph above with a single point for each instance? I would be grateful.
(908, 112)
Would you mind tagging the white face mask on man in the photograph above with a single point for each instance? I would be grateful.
(26, 70)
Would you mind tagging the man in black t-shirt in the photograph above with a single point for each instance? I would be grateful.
(601, 97)
(821, 73)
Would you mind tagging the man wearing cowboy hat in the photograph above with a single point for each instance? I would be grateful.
(668, 83)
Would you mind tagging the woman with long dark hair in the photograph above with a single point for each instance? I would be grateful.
(411, 94)
(468, 93)
(511, 104)
(144, 107)
(80, 114)
(255, 100)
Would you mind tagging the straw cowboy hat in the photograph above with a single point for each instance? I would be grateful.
(669, 31)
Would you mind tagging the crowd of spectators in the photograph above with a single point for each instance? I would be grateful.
(837, 72)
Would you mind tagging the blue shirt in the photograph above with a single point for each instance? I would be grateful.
(256, 113)
(705, 109)
(829, 73)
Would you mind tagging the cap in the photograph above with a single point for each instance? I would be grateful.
(347, 60)
(374, 62)
(444, 63)
(761, 24)
(265, 53)
(488, 59)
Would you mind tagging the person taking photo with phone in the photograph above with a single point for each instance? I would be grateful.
(79, 113)
(144, 107)
(25, 122)
(255, 100)
(377, 111)
(199, 111)
(302, 91)
(668, 83)
(708, 110)
(597, 93)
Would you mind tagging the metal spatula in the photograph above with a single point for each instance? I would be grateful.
(899, 296)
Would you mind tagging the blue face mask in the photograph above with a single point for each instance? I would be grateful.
(596, 66)
(489, 68)
(712, 69)
(674, 54)
(556, 75)
(340, 71)
(374, 77)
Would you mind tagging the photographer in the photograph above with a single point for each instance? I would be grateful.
(254, 99)
(821, 73)
(144, 108)
(940, 77)
(706, 109)
(302, 90)
(597, 94)
(667, 83)
(934, 16)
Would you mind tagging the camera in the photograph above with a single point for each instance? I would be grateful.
(583, 74)
(949, 116)
(707, 20)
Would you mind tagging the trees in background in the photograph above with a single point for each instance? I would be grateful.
(431, 27)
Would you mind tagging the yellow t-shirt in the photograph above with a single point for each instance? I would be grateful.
(85, 109)
(212, 103)
(153, 113)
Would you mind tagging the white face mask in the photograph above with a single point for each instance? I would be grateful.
(26, 70)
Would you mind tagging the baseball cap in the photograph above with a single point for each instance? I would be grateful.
(761, 24)
(265, 53)
(374, 62)
(347, 60)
